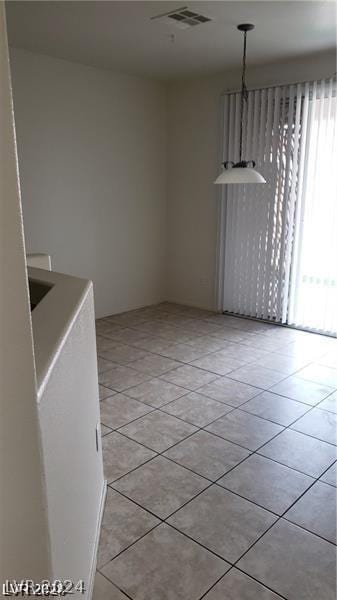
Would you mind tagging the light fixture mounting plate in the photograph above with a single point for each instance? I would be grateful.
(246, 27)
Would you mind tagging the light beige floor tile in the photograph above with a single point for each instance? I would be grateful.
(105, 328)
(206, 454)
(301, 452)
(293, 562)
(330, 476)
(161, 486)
(319, 374)
(165, 565)
(258, 376)
(153, 344)
(206, 344)
(330, 403)
(244, 429)
(202, 327)
(232, 361)
(104, 343)
(189, 377)
(105, 392)
(182, 352)
(278, 409)
(123, 523)
(259, 340)
(149, 311)
(105, 365)
(172, 307)
(216, 363)
(179, 336)
(178, 320)
(158, 430)
(269, 484)
(127, 336)
(284, 364)
(120, 410)
(123, 354)
(157, 327)
(154, 365)
(122, 378)
(244, 353)
(307, 347)
(230, 392)
(232, 335)
(222, 522)
(105, 430)
(316, 511)
(329, 359)
(121, 455)
(302, 391)
(165, 331)
(198, 313)
(156, 392)
(128, 319)
(220, 318)
(320, 424)
(196, 409)
(105, 590)
(238, 586)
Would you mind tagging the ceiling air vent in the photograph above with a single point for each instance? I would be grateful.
(183, 18)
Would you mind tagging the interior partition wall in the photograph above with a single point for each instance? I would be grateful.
(277, 251)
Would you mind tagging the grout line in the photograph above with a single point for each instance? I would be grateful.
(160, 377)
(112, 583)
(260, 583)
(309, 530)
(151, 410)
(110, 485)
(215, 583)
(134, 541)
(280, 517)
(149, 448)
(263, 585)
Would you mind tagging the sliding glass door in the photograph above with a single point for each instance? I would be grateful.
(278, 242)
(313, 292)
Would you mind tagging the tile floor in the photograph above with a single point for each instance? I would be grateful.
(219, 438)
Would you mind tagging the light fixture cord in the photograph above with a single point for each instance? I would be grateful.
(244, 92)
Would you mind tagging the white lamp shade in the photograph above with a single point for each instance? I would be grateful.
(240, 175)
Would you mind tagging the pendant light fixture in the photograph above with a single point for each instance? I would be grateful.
(242, 171)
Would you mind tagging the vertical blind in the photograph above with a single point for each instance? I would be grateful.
(313, 284)
(265, 246)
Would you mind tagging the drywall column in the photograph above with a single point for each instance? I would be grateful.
(24, 551)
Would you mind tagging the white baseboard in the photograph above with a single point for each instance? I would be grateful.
(92, 573)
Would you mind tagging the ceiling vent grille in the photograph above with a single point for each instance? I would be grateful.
(182, 18)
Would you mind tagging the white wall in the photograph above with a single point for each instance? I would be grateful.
(92, 156)
(24, 548)
(193, 126)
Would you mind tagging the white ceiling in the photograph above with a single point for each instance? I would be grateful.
(121, 36)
